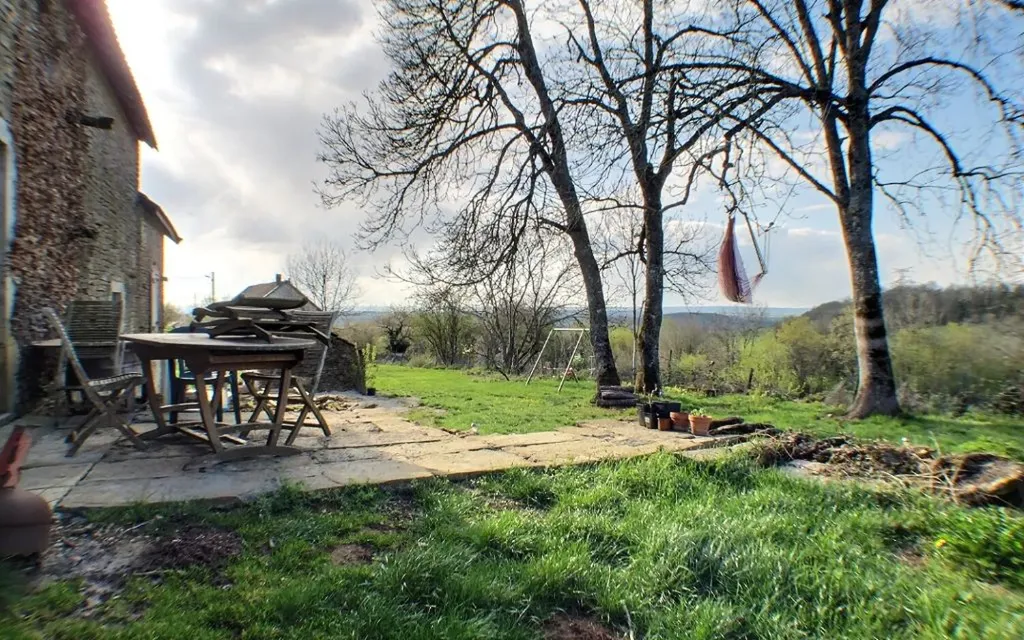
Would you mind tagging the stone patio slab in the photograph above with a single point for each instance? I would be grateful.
(372, 472)
(348, 454)
(64, 475)
(470, 462)
(578, 451)
(524, 439)
(451, 445)
(107, 494)
(384, 438)
(144, 469)
(366, 446)
(53, 495)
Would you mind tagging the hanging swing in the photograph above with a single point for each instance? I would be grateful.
(732, 277)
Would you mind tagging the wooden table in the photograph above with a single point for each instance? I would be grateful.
(203, 354)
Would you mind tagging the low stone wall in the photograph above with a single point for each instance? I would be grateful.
(344, 368)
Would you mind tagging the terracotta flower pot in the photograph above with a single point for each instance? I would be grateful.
(699, 425)
(680, 420)
(664, 424)
(25, 523)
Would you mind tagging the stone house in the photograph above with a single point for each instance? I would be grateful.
(74, 223)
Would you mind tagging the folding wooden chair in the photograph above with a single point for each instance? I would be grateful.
(104, 394)
(94, 327)
(305, 380)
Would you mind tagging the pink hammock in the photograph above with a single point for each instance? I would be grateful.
(732, 277)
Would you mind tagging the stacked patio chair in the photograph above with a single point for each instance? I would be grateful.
(305, 379)
(105, 394)
(181, 378)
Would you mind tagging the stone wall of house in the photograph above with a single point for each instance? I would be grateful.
(343, 367)
(50, 239)
(10, 11)
(112, 257)
(150, 269)
(78, 230)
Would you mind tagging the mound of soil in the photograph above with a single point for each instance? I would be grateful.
(979, 479)
(973, 479)
(563, 626)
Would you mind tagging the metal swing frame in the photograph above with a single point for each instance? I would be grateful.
(568, 367)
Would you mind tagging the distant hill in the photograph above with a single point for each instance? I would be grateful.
(706, 320)
(705, 316)
(931, 305)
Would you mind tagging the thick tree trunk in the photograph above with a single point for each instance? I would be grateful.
(876, 387)
(557, 168)
(606, 372)
(648, 375)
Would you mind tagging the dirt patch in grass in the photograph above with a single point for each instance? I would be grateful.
(563, 626)
(104, 556)
(351, 554)
(190, 547)
(972, 478)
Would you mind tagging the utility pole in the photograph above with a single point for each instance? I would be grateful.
(213, 286)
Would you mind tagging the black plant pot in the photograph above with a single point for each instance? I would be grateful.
(646, 416)
(663, 409)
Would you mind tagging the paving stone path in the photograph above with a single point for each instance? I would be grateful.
(369, 444)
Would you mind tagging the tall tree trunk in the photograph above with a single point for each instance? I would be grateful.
(648, 375)
(876, 387)
(557, 166)
(604, 360)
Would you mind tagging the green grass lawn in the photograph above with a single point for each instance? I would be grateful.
(663, 546)
(456, 399)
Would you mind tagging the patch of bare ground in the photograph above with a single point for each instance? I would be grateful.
(969, 478)
(352, 554)
(104, 556)
(563, 626)
(190, 547)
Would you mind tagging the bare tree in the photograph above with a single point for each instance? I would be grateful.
(650, 116)
(618, 235)
(444, 322)
(322, 270)
(174, 316)
(847, 70)
(465, 137)
(397, 326)
(518, 305)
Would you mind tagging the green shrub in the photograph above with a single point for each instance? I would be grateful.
(969, 363)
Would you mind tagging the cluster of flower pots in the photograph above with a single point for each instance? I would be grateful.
(669, 416)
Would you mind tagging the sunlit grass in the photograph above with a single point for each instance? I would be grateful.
(675, 548)
(455, 399)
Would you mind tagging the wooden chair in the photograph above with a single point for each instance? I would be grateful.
(94, 327)
(104, 394)
(305, 380)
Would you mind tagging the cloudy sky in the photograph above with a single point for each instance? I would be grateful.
(236, 89)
